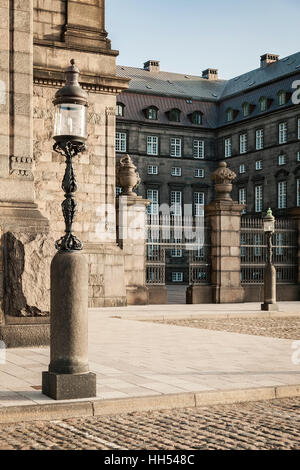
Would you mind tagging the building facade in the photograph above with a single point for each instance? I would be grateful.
(178, 127)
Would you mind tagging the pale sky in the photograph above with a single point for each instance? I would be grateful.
(189, 36)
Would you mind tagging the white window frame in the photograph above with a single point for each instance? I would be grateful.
(177, 276)
(176, 252)
(153, 196)
(198, 149)
(298, 156)
(298, 192)
(258, 165)
(243, 143)
(176, 171)
(152, 145)
(243, 198)
(263, 104)
(282, 133)
(199, 201)
(242, 168)
(282, 194)
(228, 147)
(176, 202)
(281, 159)
(175, 147)
(281, 98)
(121, 142)
(118, 108)
(259, 139)
(258, 198)
(152, 170)
(298, 128)
(199, 173)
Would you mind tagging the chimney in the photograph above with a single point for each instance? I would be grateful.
(152, 66)
(268, 59)
(210, 74)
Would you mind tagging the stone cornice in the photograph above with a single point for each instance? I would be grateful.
(94, 83)
(75, 47)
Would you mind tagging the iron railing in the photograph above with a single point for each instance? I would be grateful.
(253, 250)
(187, 233)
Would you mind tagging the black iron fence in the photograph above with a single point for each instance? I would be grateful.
(253, 250)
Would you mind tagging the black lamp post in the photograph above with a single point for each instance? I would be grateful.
(68, 376)
(70, 133)
(270, 270)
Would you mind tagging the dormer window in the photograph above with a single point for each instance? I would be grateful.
(174, 115)
(246, 109)
(282, 97)
(229, 114)
(120, 109)
(196, 118)
(152, 113)
(263, 104)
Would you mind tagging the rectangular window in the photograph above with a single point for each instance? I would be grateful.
(298, 193)
(298, 156)
(175, 147)
(298, 128)
(177, 277)
(152, 170)
(176, 253)
(282, 133)
(259, 139)
(281, 194)
(198, 203)
(228, 147)
(176, 202)
(152, 145)
(176, 171)
(279, 244)
(282, 160)
(243, 198)
(258, 165)
(257, 240)
(198, 149)
(258, 203)
(243, 143)
(118, 190)
(121, 142)
(242, 169)
(199, 173)
(152, 195)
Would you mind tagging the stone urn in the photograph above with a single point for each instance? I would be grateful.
(223, 178)
(127, 176)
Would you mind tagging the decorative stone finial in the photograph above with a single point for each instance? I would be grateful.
(128, 177)
(223, 178)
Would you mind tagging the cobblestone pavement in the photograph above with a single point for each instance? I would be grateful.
(284, 327)
(258, 425)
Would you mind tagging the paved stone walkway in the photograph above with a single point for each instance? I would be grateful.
(134, 358)
(285, 327)
(257, 425)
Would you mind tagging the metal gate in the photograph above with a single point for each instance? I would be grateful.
(177, 233)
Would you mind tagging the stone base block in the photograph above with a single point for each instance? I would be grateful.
(69, 386)
(269, 307)
(199, 295)
(137, 295)
(158, 295)
(26, 335)
(227, 295)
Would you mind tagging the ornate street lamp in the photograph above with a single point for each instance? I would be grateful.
(270, 271)
(70, 133)
(68, 376)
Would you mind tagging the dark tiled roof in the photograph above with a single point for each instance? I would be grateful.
(171, 84)
(260, 76)
(135, 103)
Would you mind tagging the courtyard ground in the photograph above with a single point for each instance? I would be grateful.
(168, 377)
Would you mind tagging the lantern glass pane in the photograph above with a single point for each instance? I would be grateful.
(70, 119)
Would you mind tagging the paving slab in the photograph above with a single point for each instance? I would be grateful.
(135, 359)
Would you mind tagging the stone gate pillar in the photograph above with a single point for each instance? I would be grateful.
(131, 229)
(225, 219)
